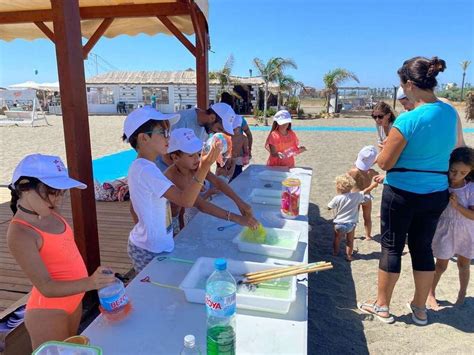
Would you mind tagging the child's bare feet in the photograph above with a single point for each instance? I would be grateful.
(349, 258)
(433, 304)
(461, 298)
(368, 237)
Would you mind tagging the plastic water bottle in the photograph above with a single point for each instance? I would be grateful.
(190, 347)
(290, 152)
(113, 298)
(220, 306)
(213, 138)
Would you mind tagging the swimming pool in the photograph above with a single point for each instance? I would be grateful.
(334, 129)
(115, 166)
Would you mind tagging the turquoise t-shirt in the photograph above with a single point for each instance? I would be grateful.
(430, 132)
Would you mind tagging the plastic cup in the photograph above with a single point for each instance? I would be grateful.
(78, 339)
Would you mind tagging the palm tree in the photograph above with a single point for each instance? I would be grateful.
(224, 75)
(285, 85)
(333, 79)
(464, 65)
(270, 72)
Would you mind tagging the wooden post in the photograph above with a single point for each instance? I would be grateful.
(202, 47)
(67, 30)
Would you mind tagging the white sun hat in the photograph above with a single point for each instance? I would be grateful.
(238, 121)
(401, 94)
(141, 115)
(366, 157)
(49, 169)
(282, 117)
(227, 115)
(185, 140)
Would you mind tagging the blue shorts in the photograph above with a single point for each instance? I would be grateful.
(344, 227)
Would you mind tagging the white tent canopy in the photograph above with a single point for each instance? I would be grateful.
(37, 86)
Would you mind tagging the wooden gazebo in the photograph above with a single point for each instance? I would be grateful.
(65, 23)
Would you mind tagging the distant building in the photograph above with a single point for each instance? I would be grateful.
(122, 91)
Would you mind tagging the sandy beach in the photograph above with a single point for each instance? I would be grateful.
(335, 324)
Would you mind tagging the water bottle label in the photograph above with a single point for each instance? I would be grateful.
(114, 302)
(219, 306)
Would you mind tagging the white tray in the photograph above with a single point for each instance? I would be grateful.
(286, 250)
(193, 286)
(266, 196)
(273, 175)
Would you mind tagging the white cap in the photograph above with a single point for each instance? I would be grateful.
(49, 169)
(227, 114)
(185, 140)
(401, 94)
(282, 117)
(237, 121)
(141, 115)
(366, 158)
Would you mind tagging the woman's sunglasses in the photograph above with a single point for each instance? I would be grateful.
(378, 117)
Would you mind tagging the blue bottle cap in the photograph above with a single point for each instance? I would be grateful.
(220, 264)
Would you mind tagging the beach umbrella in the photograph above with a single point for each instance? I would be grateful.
(25, 85)
(49, 86)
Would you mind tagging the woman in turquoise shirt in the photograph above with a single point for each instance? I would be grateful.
(416, 157)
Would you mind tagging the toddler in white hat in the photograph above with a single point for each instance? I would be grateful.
(363, 174)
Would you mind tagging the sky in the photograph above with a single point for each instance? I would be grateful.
(371, 38)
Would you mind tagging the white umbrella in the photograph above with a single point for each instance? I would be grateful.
(25, 85)
(49, 86)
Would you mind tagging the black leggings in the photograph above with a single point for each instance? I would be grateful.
(414, 215)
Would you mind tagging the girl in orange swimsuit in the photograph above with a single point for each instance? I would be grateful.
(43, 245)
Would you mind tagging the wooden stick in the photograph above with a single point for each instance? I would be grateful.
(289, 273)
(280, 269)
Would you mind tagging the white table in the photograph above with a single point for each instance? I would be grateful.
(161, 317)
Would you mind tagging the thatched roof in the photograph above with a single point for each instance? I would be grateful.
(161, 77)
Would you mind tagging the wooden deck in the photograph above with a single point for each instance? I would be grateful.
(114, 223)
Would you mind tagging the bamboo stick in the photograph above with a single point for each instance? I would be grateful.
(280, 269)
(289, 273)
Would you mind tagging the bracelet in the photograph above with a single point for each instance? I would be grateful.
(228, 216)
(197, 180)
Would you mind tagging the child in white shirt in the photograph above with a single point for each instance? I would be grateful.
(147, 131)
(346, 210)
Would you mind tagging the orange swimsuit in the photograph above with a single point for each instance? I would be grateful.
(64, 263)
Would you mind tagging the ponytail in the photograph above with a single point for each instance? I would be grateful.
(14, 199)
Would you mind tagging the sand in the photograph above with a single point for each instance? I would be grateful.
(335, 324)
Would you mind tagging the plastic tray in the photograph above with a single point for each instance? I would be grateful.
(61, 348)
(193, 286)
(286, 250)
(273, 175)
(266, 196)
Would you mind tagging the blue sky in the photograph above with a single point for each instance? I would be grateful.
(369, 37)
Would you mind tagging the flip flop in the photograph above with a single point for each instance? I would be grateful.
(375, 311)
(415, 319)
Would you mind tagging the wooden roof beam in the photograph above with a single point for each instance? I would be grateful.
(100, 12)
(178, 34)
(45, 29)
(96, 36)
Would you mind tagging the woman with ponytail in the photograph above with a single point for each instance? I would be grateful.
(416, 158)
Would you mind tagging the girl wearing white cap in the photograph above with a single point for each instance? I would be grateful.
(42, 243)
(184, 150)
(363, 174)
(282, 142)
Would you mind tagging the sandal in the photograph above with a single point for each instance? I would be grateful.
(414, 317)
(375, 310)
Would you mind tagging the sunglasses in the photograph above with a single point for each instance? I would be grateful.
(164, 132)
(378, 117)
